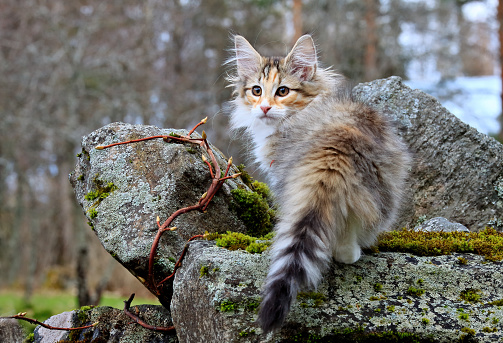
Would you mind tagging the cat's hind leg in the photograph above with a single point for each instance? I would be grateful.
(346, 248)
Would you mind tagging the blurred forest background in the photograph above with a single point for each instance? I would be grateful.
(70, 67)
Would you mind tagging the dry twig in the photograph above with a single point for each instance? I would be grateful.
(127, 305)
(22, 316)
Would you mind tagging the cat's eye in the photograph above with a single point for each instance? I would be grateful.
(282, 91)
(256, 90)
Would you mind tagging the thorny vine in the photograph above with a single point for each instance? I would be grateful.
(216, 183)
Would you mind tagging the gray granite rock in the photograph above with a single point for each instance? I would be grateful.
(458, 171)
(421, 296)
(113, 326)
(62, 320)
(148, 179)
(11, 331)
(440, 224)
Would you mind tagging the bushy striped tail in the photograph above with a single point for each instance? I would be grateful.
(300, 254)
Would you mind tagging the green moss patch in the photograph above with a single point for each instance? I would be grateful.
(228, 306)
(470, 295)
(464, 316)
(488, 243)
(247, 305)
(257, 248)
(101, 191)
(204, 271)
(489, 330)
(462, 260)
(496, 302)
(83, 313)
(311, 299)
(93, 213)
(254, 208)
(415, 291)
(234, 241)
(468, 331)
(240, 241)
(245, 177)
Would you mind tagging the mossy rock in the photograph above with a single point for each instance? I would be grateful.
(384, 297)
(124, 188)
(488, 243)
(255, 208)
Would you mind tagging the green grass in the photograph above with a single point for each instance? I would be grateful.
(46, 304)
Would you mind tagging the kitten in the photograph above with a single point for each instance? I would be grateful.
(335, 166)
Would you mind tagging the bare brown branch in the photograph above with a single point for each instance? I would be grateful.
(127, 305)
(22, 316)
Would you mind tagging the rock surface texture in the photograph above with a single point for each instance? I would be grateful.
(439, 224)
(458, 171)
(394, 296)
(113, 326)
(11, 331)
(458, 175)
(124, 188)
(383, 292)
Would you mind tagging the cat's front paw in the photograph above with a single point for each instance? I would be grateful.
(348, 254)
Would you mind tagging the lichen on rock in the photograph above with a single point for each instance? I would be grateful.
(124, 188)
(382, 291)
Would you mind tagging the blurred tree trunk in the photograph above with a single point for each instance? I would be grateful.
(371, 12)
(86, 295)
(33, 257)
(500, 35)
(297, 20)
(16, 238)
(83, 292)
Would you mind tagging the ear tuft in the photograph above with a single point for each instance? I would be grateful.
(247, 58)
(302, 60)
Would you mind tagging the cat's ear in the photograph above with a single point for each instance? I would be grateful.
(247, 58)
(302, 60)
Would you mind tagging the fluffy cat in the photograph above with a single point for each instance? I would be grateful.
(335, 165)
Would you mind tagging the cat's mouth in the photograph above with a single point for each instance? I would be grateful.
(268, 117)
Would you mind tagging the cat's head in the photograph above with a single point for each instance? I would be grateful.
(268, 89)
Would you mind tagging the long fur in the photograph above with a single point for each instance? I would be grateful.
(335, 166)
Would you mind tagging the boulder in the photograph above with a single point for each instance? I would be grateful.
(430, 299)
(458, 171)
(113, 325)
(124, 188)
(11, 331)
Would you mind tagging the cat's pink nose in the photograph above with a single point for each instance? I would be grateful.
(265, 109)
